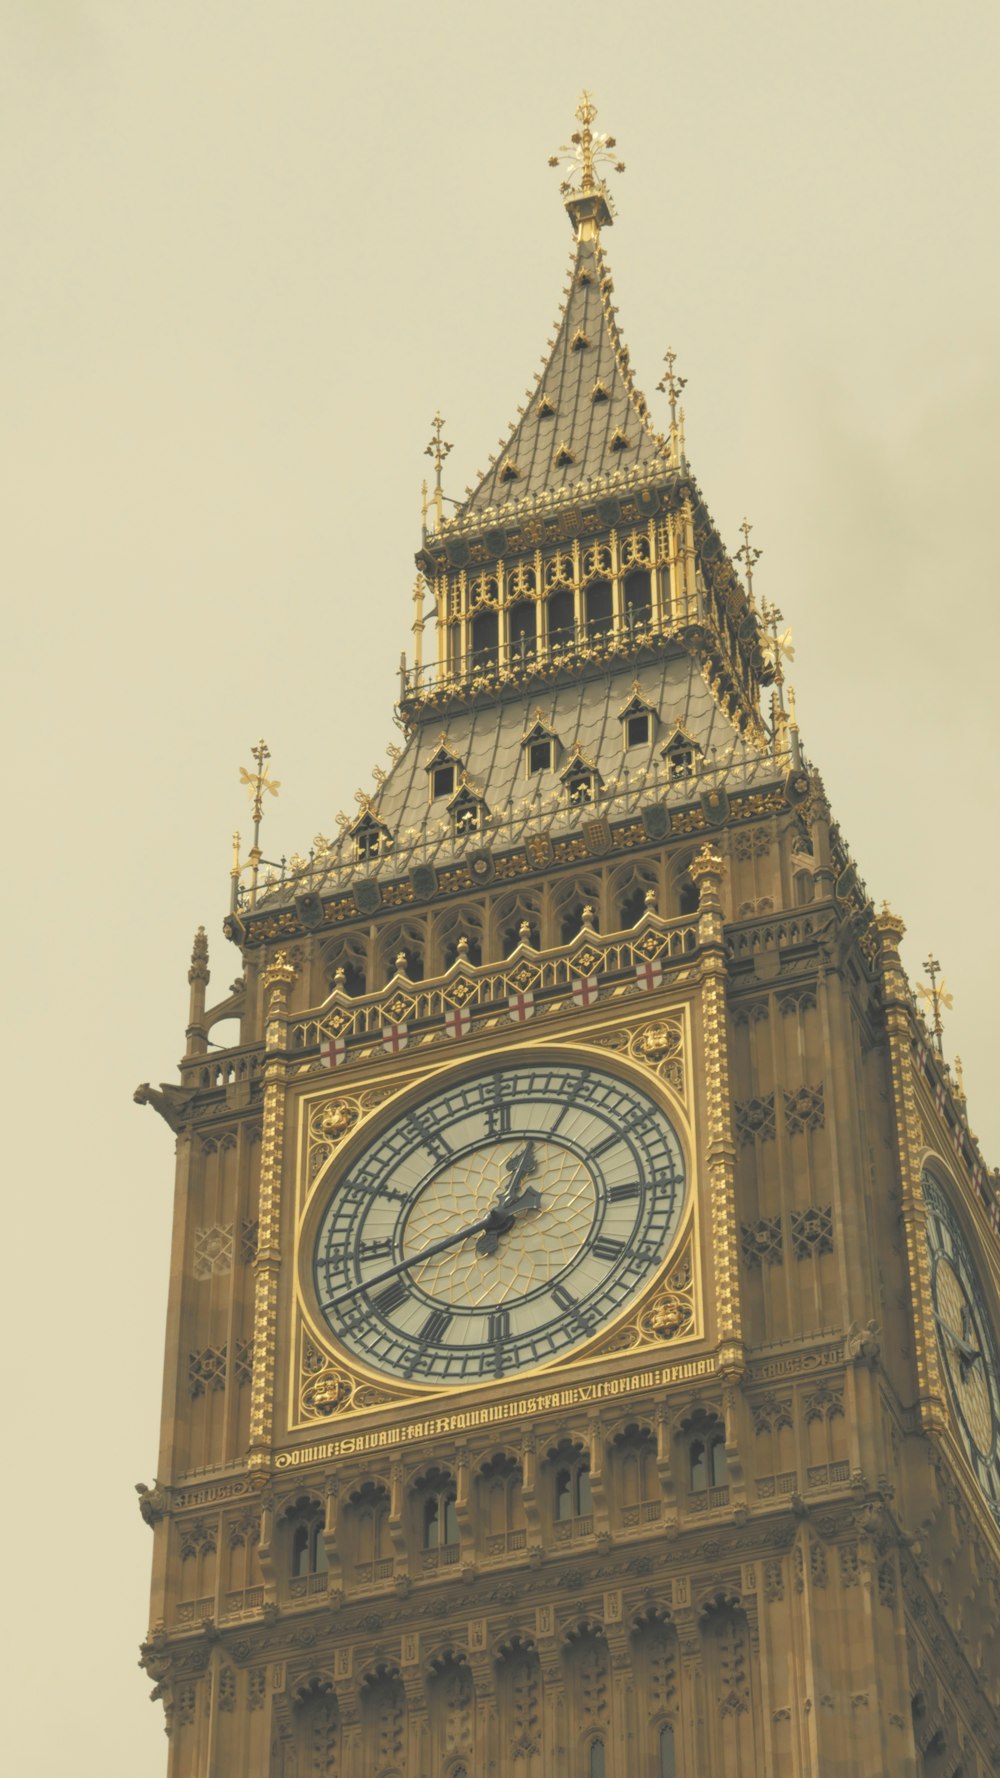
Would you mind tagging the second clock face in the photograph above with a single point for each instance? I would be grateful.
(966, 1339)
(499, 1223)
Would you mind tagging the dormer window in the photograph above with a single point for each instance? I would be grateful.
(582, 781)
(539, 744)
(442, 772)
(637, 719)
(682, 754)
(468, 812)
(620, 440)
(599, 392)
(371, 839)
(510, 471)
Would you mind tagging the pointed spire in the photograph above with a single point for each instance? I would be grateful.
(585, 420)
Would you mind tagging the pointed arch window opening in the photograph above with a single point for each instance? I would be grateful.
(668, 1761)
(595, 1763)
(485, 640)
(522, 629)
(598, 609)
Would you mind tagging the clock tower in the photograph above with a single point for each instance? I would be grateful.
(582, 1355)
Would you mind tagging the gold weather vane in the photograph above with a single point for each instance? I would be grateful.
(936, 997)
(580, 158)
(437, 450)
(257, 783)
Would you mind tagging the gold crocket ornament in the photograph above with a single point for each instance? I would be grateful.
(582, 1354)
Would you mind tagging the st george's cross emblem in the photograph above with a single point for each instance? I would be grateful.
(584, 989)
(458, 1021)
(649, 974)
(394, 1038)
(522, 1005)
(333, 1052)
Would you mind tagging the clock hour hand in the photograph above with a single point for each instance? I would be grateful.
(514, 1201)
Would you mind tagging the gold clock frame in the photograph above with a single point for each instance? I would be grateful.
(326, 1384)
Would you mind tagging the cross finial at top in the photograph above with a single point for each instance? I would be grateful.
(936, 997)
(670, 384)
(438, 447)
(582, 187)
(749, 555)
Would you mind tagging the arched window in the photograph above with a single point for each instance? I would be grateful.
(300, 1552)
(562, 625)
(345, 966)
(595, 1768)
(485, 634)
(597, 606)
(707, 1466)
(523, 620)
(637, 600)
(668, 1766)
(501, 1505)
(307, 1548)
(572, 900)
(366, 1531)
(688, 897)
(572, 1500)
(805, 887)
(438, 1518)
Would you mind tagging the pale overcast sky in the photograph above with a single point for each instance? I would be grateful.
(249, 248)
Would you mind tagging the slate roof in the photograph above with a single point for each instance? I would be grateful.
(487, 740)
(582, 437)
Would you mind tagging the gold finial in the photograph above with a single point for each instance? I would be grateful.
(960, 1077)
(936, 997)
(584, 191)
(257, 782)
(749, 555)
(670, 384)
(437, 450)
(778, 645)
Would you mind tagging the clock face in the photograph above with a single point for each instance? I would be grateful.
(968, 1343)
(499, 1223)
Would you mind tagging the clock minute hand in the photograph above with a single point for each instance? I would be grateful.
(403, 1265)
(968, 1354)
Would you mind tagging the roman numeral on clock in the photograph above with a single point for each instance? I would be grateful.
(499, 1326)
(436, 1326)
(621, 1194)
(563, 1298)
(391, 1298)
(607, 1249)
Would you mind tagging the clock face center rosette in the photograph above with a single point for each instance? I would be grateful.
(537, 1246)
(553, 1192)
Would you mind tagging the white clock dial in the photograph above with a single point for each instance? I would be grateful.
(499, 1223)
(967, 1340)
